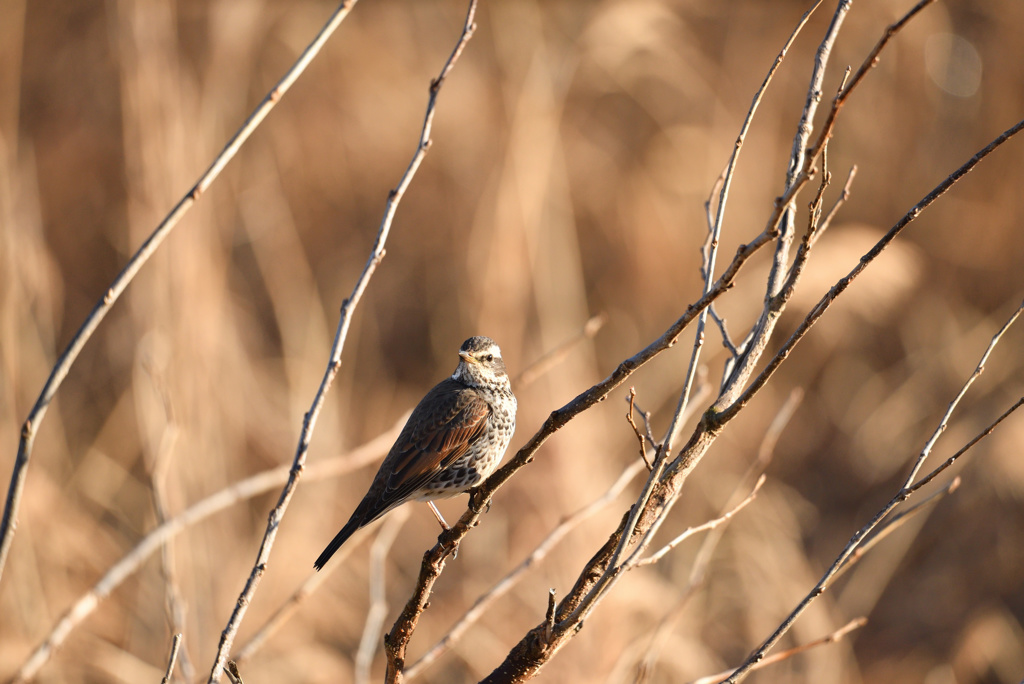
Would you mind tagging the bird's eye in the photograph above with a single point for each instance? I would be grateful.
(489, 357)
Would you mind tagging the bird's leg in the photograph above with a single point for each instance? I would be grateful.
(440, 519)
(437, 514)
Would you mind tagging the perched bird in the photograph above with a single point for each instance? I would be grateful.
(453, 440)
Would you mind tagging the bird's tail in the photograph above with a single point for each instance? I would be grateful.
(347, 531)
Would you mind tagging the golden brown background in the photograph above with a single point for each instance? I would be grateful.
(574, 146)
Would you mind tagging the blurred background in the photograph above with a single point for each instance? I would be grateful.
(574, 147)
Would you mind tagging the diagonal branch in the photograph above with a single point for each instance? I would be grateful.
(916, 468)
(506, 583)
(782, 222)
(175, 647)
(663, 489)
(347, 307)
(867, 535)
(378, 601)
(726, 414)
(709, 525)
(132, 268)
(832, 638)
(240, 491)
(432, 565)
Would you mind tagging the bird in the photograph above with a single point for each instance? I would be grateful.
(454, 439)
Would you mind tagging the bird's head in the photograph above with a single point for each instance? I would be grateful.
(480, 362)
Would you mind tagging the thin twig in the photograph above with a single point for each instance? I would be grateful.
(378, 609)
(709, 218)
(646, 417)
(832, 638)
(240, 491)
(765, 453)
(781, 223)
(930, 444)
(555, 356)
(175, 646)
(347, 307)
(135, 264)
(636, 431)
(869, 63)
(506, 583)
(711, 251)
(866, 532)
(723, 415)
(709, 525)
(234, 675)
(779, 301)
(840, 201)
(549, 616)
(895, 522)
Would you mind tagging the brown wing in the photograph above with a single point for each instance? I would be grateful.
(439, 432)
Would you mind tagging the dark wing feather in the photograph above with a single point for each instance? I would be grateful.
(439, 432)
(449, 423)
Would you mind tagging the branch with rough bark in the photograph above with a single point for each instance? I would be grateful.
(625, 548)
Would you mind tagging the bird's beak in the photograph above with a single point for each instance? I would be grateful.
(465, 356)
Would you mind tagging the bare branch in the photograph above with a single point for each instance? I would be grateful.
(840, 201)
(636, 431)
(506, 583)
(724, 415)
(347, 307)
(930, 444)
(240, 491)
(378, 601)
(135, 264)
(175, 646)
(865, 533)
(552, 358)
(710, 251)
(832, 638)
(781, 223)
(709, 525)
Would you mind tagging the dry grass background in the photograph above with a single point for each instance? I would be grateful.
(574, 146)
